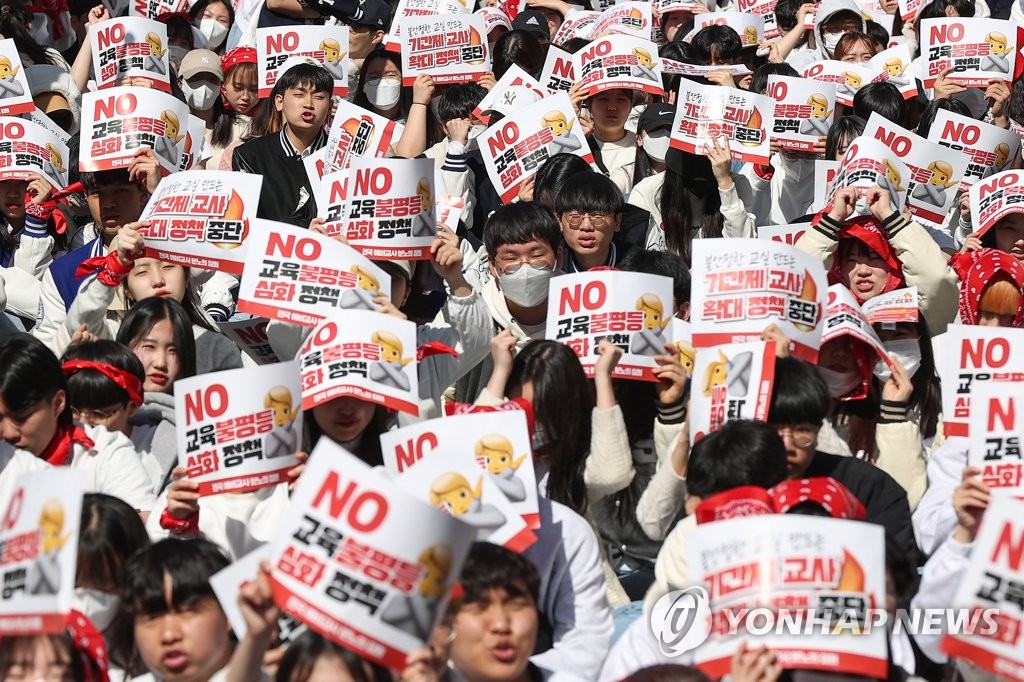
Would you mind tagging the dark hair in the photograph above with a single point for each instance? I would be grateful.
(404, 99)
(1015, 107)
(553, 174)
(740, 453)
(668, 672)
(89, 388)
(663, 263)
(189, 300)
(369, 449)
(459, 101)
(845, 129)
(717, 43)
(848, 40)
(589, 192)
(312, 76)
(492, 567)
(562, 402)
(883, 97)
(518, 47)
(759, 81)
(574, 45)
(15, 18)
(901, 567)
(16, 649)
(31, 374)
(198, 8)
(681, 52)
(223, 126)
(93, 180)
(110, 533)
(936, 9)
(924, 124)
(520, 223)
(189, 563)
(264, 120)
(179, 27)
(800, 395)
(145, 314)
(302, 653)
(679, 194)
(926, 398)
(785, 14)
(879, 36)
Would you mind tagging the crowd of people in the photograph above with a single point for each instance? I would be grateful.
(96, 332)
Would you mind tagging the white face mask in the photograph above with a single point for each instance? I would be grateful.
(830, 41)
(839, 383)
(384, 93)
(907, 351)
(527, 285)
(101, 607)
(175, 53)
(214, 32)
(656, 144)
(200, 96)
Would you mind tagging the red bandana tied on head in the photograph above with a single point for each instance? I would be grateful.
(746, 500)
(126, 380)
(976, 270)
(59, 451)
(236, 56)
(836, 498)
(455, 407)
(90, 646)
(867, 230)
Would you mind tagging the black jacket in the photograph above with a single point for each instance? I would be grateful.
(287, 195)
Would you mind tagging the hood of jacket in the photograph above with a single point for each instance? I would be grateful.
(157, 407)
(826, 10)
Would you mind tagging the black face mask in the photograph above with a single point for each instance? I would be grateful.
(63, 119)
(694, 169)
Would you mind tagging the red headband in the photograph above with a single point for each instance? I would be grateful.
(126, 380)
(239, 55)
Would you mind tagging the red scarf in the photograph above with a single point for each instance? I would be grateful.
(868, 230)
(976, 269)
(59, 451)
(832, 495)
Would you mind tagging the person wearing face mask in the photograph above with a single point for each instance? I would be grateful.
(200, 77)
(652, 140)
(834, 19)
(213, 18)
(180, 39)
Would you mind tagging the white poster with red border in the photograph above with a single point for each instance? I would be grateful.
(326, 45)
(362, 562)
(848, 78)
(631, 310)
(709, 112)
(192, 145)
(130, 47)
(766, 10)
(201, 219)
(989, 148)
(300, 276)
(450, 478)
(618, 62)
(996, 425)
(899, 305)
(499, 440)
(39, 538)
(416, 9)
(631, 18)
(358, 133)
(251, 336)
(361, 354)
(995, 197)
(513, 90)
(118, 122)
(15, 94)
(969, 357)
(783, 234)
(804, 111)
(844, 317)
(515, 147)
(154, 9)
(559, 73)
(27, 148)
(826, 571)
(991, 585)
(740, 286)
(450, 48)
(868, 163)
(731, 381)
(977, 50)
(238, 430)
(825, 173)
(578, 23)
(749, 27)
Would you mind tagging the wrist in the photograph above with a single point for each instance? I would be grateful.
(179, 527)
(963, 535)
(422, 104)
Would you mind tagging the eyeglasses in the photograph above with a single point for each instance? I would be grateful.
(802, 435)
(95, 416)
(598, 219)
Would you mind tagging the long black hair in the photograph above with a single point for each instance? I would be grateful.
(146, 314)
(31, 374)
(301, 656)
(111, 532)
(92, 389)
(679, 193)
(563, 399)
(15, 19)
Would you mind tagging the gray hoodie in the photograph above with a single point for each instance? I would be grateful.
(826, 10)
(153, 433)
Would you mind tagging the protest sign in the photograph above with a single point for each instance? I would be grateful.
(27, 148)
(330, 202)
(578, 23)
(935, 171)
(130, 48)
(909, 9)
(192, 146)
(357, 133)
(822, 574)
(361, 354)
(558, 73)
(201, 219)
(618, 61)
(153, 9)
(298, 276)
(117, 122)
(784, 234)
(868, 163)
(15, 95)
(977, 50)
(40, 551)
(740, 286)
(438, 465)
(669, 6)
(989, 148)
(824, 174)
(499, 440)
(40, 118)
(844, 317)
(228, 582)
(803, 112)
(990, 586)
(766, 10)
(251, 336)
(415, 9)
(848, 78)
(239, 429)
(362, 562)
(450, 48)
(326, 45)
(995, 426)
(682, 337)
(749, 27)
(513, 90)
(891, 66)
(630, 18)
(495, 18)
(515, 147)
(630, 309)
(972, 356)
(671, 66)
(899, 305)
(994, 198)
(709, 112)
(732, 381)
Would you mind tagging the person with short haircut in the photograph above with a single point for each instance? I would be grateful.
(589, 210)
